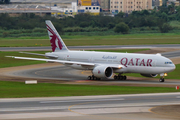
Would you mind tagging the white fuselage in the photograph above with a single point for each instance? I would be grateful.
(132, 62)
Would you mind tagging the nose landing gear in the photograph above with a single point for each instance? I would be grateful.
(162, 77)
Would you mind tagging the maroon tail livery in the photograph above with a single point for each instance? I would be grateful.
(56, 42)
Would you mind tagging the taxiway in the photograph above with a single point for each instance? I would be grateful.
(108, 107)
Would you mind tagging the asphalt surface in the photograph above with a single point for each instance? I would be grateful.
(90, 47)
(64, 73)
(109, 107)
(57, 73)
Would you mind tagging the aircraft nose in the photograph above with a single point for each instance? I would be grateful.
(172, 67)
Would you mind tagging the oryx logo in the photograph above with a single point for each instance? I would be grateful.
(55, 41)
(99, 71)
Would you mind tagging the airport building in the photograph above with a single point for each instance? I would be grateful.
(57, 7)
(88, 6)
(72, 7)
(128, 6)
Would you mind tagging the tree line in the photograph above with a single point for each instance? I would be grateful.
(4, 1)
(122, 22)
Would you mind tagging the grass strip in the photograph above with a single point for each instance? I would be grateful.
(11, 62)
(19, 90)
(79, 40)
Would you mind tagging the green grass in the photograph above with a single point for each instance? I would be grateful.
(175, 24)
(10, 62)
(78, 40)
(19, 89)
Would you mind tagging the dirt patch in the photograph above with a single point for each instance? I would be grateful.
(172, 111)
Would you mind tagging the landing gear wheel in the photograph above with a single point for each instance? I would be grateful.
(119, 77)
(124, 77)
(115, 77)
(93, 78)
(161, 80)
(89, 77)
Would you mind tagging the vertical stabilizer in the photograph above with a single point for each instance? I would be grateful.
(57, 43)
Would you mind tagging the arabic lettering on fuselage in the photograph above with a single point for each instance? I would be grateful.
(109, 57)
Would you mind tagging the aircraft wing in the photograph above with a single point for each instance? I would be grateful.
(69, 62)
(45, 55)
(51, 60)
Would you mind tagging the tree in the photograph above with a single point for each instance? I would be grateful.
(164, 16)
(163, 9)
(111, 25)
(178, 9)
(4, 1)
(84, 24)
(121, 27)
(120, 14)
(165, 28)
(145, 12)
(171, 8)
(59, 28)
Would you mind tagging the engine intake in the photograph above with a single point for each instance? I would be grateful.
(103, 71)
(149, 75)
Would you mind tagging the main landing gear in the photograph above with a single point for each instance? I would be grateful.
(120, 77)
(93, 78)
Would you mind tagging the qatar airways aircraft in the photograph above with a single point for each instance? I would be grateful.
(104, 64)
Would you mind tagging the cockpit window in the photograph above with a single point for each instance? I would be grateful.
(168, 63)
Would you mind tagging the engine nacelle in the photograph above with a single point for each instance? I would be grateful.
(149, 75)
(103, 72)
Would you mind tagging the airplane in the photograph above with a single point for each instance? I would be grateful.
(104, 64)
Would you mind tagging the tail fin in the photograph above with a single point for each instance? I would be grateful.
(55, 39)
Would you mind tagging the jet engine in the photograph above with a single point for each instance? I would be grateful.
(149, 75)
(103, 72)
